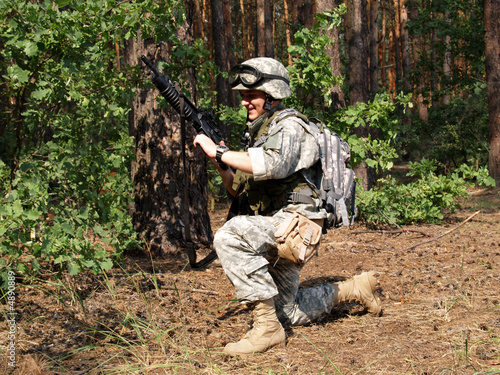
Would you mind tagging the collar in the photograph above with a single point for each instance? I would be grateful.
(254, 126)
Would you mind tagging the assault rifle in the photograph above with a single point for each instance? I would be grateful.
(202, 120)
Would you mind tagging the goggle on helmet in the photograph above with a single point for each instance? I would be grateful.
(249, 76)
(261, 73)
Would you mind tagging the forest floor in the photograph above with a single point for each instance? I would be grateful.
(440, 297)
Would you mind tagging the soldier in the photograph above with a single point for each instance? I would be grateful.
(280, 152)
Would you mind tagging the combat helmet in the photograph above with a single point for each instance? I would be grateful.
(261, 73)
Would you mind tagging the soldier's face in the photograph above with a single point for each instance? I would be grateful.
(253, 101)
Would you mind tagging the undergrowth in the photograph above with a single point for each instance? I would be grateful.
(423, 200)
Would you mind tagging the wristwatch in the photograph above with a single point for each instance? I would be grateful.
(221, 149)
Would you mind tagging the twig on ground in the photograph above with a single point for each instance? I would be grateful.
(441, 235)
(384, 248)
(206, 291)
(397, 231)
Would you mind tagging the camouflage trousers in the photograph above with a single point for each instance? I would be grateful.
(247, 249)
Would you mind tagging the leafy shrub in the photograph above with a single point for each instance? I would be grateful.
(311, 77)
(66, 153)
(423, 200)
(380, 113)
(479, 176)
(66, 210)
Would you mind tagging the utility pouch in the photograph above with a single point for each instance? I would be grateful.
(298, 238)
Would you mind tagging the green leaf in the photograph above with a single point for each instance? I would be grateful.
(31, 214)
(68, 228)
(31, 48)
(17, 74)
(73, 268)
(106, 264)
(5, 210)
(62, 3)
(41, 94)
(84, 213)
(17, 208)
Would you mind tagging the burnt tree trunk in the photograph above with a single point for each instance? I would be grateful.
(157, 172)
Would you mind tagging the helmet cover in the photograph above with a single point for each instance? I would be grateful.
(276, 88)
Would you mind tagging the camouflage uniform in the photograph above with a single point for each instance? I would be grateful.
(246, 245)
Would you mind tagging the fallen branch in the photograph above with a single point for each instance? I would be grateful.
(358, 245)
(441, 235)
(194, 290)
(376, 247)
(397, 231)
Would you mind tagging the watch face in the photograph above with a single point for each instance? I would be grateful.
(220, 150)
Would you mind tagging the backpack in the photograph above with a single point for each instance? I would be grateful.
(334, 182)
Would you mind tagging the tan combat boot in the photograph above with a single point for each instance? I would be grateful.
(266, 332)
(359, 289)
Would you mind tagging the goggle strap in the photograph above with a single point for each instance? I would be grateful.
(239, 69)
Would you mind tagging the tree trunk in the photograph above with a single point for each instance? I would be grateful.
(220, 52)
(373, 46)
(198, 25)
(333, 52)
(294, 7)
(405, 48)
(447, 64)
(230, 58)
(418, 47)
(358, 52)
(269, 30)
(382, 45)
(356, 33)
(245, 44)
(228, 31)
(397, 43)
(434, 78)
(260, 48)
(391, 57)
(288, 32)
(492, 38)
(305, 10)
(157, 170)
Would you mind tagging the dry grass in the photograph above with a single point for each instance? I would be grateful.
(441, 313)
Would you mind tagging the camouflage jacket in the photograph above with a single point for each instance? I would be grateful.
(280, 146)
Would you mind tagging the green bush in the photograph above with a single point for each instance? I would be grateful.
(311, 77)
(423, 200)
(67, 210)
(66, 154)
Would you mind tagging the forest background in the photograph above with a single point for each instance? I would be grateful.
(90, 162)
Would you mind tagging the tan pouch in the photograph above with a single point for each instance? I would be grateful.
(298, 238)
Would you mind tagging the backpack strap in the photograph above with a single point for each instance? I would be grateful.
(304, 195)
